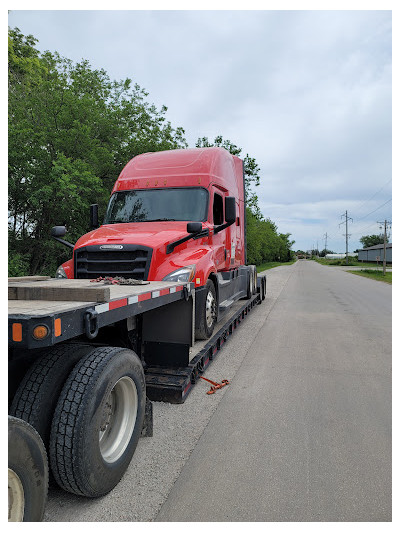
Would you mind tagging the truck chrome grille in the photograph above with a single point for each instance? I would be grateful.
(131, 262)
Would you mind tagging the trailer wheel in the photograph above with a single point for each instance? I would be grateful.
(98, 421)
(37, 395)
(28, 473)
(207, 318)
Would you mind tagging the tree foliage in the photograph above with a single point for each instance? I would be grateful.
(372, 240)
(71, 131)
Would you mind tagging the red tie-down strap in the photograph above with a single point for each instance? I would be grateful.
(215, 386)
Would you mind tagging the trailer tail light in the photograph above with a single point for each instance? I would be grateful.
(17, 332)
(40, 332)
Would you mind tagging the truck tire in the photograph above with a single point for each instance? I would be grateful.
(254, 268)
(98, 421)
(252, 282)
(37, 395)
(262, 288)
(207, 315)
(28, 473)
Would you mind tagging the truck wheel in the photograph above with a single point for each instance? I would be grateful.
(262, 288)
(98, 421)
(252, 282)
(207, 318)
(37, 395)
(254, 279)
(28, 473)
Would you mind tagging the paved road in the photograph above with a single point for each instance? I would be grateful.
(303, 432)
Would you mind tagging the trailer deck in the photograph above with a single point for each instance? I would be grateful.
(70, 308)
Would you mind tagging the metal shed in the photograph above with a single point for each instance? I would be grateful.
(375, 253)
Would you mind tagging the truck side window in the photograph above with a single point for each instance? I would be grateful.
(218, 210)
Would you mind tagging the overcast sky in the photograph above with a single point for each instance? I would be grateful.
(306, 93)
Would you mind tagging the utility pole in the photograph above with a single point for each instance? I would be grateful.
(326, 241)
(347, 235)
(386, 224)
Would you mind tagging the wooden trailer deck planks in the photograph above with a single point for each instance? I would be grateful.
(53, 295)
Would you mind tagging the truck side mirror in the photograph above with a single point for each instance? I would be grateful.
(230, 209)
(94, 216)
(58, 231)
(194, 227)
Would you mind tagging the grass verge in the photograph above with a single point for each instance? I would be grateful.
(373, 274)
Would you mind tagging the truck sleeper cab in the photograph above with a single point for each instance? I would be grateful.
(177, 215)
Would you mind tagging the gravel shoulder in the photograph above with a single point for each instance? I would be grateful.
(159, 460)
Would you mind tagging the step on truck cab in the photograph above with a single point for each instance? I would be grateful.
(177, 215)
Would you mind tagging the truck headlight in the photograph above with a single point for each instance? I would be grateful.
(60, 274)
(182, 274)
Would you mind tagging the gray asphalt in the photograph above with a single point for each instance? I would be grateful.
(303, 432)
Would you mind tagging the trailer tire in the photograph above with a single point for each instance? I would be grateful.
(98, 421)
(207, 315)
(28, 473)
(37, 395)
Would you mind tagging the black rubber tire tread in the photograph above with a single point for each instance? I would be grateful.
(75, 457)
(28, 459)
(202, 330)
(37, 395)
(254, 268)
(264, 284)
(250, 284)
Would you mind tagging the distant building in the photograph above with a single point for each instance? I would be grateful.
(375, 253)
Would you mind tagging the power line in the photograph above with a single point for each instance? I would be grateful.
(365, 216)
(373, 196)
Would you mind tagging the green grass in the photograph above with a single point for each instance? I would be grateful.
(373, 274)
(273, 264)
(342, 262)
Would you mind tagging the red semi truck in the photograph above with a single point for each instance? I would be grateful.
(177, 215)
(86, 359)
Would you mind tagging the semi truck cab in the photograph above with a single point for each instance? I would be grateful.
(177, 215)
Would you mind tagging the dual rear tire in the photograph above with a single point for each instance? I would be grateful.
(88, 405)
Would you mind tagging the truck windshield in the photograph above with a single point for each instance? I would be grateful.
(149, 205)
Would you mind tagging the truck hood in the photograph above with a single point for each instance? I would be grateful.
(154, 234)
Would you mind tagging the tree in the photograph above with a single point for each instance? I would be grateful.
(372, 240)
(71, 131)
(323, 252)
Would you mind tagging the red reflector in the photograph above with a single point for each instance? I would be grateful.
(118, 303)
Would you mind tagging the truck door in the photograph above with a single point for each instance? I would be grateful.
(221, 241)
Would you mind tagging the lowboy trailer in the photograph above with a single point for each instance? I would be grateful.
(86, 358)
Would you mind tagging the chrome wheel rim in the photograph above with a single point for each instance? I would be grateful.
(210, 309)
(16, 497)
(118, 419)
